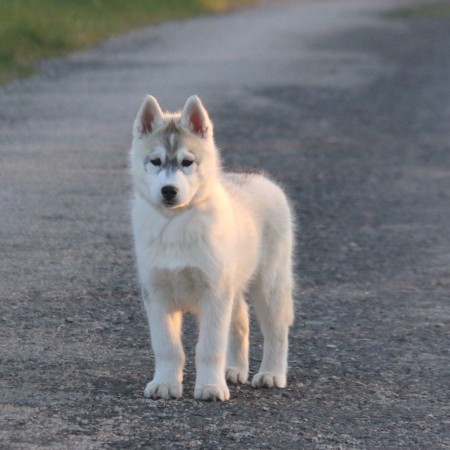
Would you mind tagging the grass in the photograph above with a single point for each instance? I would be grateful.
(35, 29)
(430, 11)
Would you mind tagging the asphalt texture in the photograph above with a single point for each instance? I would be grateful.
(350, 111)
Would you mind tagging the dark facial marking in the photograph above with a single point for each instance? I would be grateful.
(170, 165)
(171, 138)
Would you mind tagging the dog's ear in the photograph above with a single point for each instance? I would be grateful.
(195, 118)
(148, 117)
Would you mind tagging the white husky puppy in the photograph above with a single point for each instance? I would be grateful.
(204, 240)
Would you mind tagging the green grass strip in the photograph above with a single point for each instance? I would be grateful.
(430, 11)
(35, 29)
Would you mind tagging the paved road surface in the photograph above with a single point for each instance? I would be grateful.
(351, 111)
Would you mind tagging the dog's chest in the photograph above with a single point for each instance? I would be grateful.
(177, 250)
(183, 286)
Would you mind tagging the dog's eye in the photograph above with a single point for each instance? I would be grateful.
(186, 162)
(156, 162)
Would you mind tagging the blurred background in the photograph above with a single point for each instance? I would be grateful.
(43, 28)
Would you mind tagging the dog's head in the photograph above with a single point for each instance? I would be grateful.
(173, 154)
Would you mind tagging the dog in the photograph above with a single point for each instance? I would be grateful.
(205, 240)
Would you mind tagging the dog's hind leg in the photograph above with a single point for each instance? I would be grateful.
(271, 296)
(237, 353)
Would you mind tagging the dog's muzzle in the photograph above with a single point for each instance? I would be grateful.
(169, 193)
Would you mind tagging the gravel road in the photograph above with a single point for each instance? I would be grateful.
(350, 110)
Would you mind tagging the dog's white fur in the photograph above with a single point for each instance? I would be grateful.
(225, 236)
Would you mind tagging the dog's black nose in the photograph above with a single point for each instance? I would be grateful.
(169, 192)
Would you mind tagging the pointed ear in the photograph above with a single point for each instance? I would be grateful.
(196, 119)
(148, 117)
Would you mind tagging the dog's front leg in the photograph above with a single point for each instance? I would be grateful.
(165, 331)
(214, 323)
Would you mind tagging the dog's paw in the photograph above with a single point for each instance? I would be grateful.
(212, 392)
(166, 391)
(236, 376)
(269, 380)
